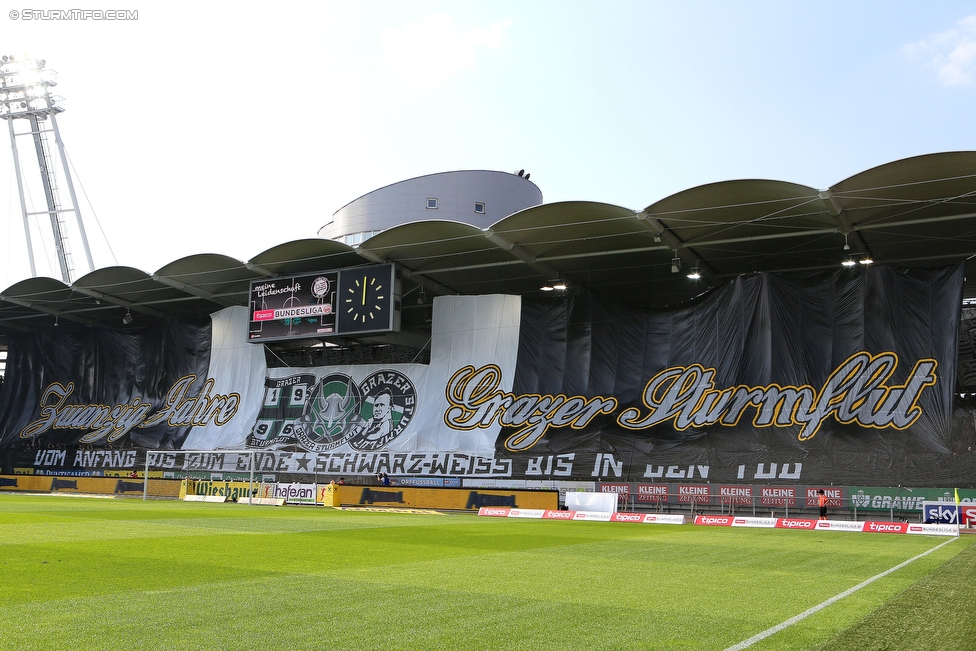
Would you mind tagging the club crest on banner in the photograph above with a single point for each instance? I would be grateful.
(861, 500)
(330, 414)
(324, 414)
(389, 403)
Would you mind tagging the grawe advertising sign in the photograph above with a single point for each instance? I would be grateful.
(874, 498)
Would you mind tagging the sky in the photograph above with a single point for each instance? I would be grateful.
(192, 128)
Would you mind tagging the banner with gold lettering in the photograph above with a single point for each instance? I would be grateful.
(838, 376)
(844, 377)
(96, 387)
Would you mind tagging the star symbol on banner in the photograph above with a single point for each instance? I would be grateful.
(303, 462)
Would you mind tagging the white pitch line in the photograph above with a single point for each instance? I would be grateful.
(806, 613)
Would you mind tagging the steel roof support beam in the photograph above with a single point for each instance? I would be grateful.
(258, 269)
(730, 240)
(912, 222)
(113, 300)
(843, 223)
(675, 243)
(47, 310)
(190, 289)
(548, 272)
(638, 249)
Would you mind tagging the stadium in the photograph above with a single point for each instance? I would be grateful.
(742, 343)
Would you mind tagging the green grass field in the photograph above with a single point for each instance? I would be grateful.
(84, 573)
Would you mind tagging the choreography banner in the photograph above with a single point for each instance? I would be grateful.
(397, 407)
(101, 388)
(842, 377)
(826, 377)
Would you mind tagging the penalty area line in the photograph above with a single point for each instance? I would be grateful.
(758, 637)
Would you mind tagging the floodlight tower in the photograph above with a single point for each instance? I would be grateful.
(25, 95)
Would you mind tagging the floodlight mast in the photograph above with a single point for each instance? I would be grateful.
(25, 85)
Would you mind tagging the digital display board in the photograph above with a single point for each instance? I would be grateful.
(339, 302)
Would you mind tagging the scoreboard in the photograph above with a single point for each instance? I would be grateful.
(362, 300)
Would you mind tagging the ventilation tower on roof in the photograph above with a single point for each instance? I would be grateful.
(29, 108)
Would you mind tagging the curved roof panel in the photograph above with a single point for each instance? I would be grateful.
(574, 228)
(742, 226)
(452, 256)
(418, 241)
(305, 256)
(37, 301)
(920, 211)
(916, 211)
(136, 291)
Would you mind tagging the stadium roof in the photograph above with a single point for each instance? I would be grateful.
(916, 212)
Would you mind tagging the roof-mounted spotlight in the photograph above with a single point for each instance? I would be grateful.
(866, 260)
(675, 263)
(694, 275)
(554, 285)
(848, 262)
(847, 247)
(127, 319)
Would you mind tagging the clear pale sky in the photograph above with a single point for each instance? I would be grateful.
(197, 129)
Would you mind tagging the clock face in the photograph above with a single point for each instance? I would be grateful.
(365, 303)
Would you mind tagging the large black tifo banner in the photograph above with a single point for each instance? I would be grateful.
(138, 389)
(841, 377)
(844, 378)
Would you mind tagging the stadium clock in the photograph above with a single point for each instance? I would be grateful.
(366, 299)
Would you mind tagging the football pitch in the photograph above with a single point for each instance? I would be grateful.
(86, 573)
